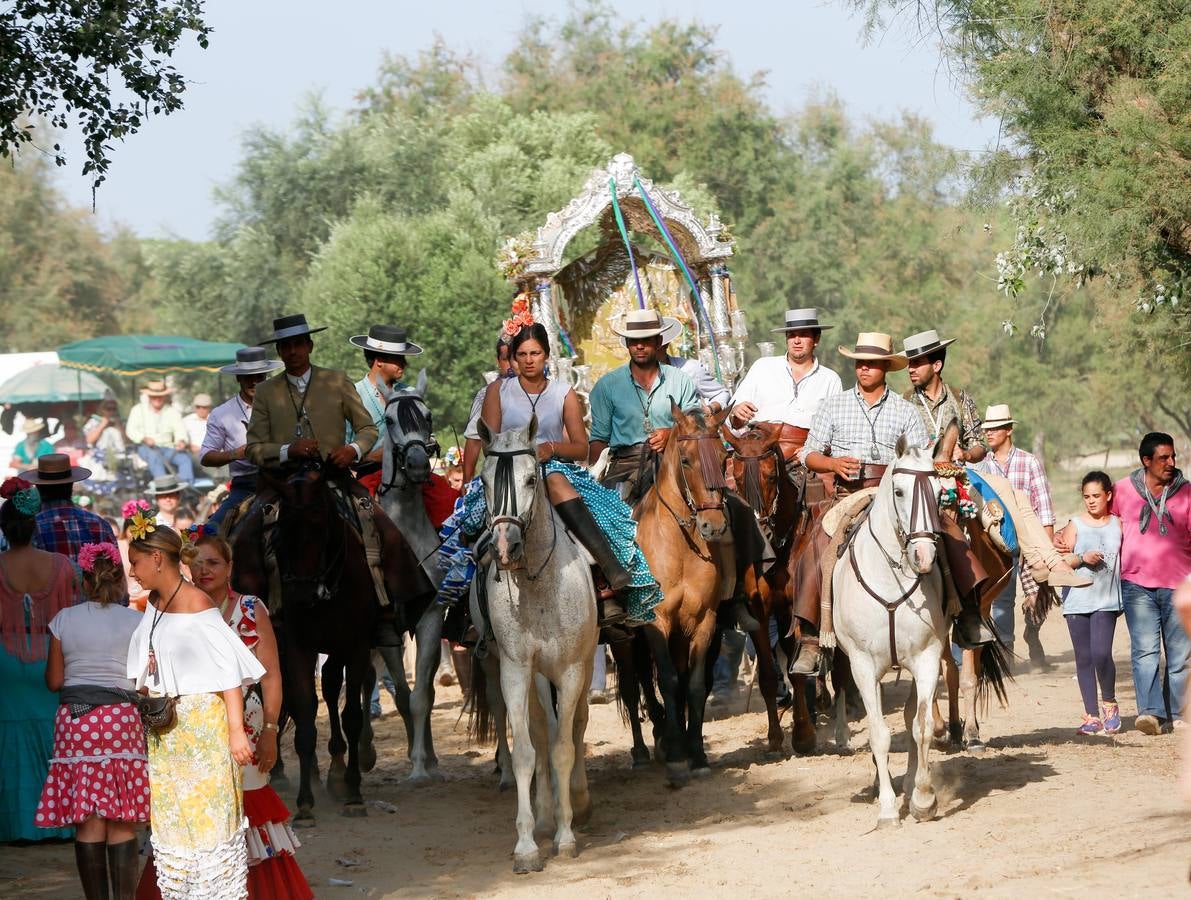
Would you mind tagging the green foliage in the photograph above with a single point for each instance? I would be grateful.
(61, 57)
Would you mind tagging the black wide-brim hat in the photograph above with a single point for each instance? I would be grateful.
(290, 327)
(387, 339)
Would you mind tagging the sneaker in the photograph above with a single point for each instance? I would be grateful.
(1148, 725)
(1091, 725)
(1112, 717)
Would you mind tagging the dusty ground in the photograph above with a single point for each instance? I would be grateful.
(1041, 813)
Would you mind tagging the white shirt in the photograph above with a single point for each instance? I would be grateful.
(95, 641)
(771, 388)
(196, 428)
(196, 654)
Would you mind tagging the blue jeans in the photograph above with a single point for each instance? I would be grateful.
(1003, 606)
(386, 679)
(1154, 626)
(157, 457)
(235, 496)
(727, 665)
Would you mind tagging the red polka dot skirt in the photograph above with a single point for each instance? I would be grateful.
(98, 768)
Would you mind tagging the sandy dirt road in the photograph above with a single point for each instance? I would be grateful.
(1041, 813)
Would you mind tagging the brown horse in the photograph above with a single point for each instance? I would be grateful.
(683, 531)
(762, 478)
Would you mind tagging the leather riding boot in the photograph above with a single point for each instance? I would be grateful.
(93, 869)
(579, 521)
(807, 660)
(124, 863)
(736, 611)
(970, 630)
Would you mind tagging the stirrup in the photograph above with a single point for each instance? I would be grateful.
(610, 612)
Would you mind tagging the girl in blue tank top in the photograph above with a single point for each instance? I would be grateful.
(1091, 612)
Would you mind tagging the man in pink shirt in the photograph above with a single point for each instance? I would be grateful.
(1154, 506)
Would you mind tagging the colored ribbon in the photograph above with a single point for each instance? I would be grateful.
(681, 263)
(624, 235)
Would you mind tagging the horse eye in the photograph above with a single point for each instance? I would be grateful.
(686, 462)
(389, 421)
(898, 492)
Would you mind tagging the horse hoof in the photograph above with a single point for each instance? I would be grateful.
(884, 823)
(355, 810)
(678, 774)
(507, 786)
(774, 755)
(525, 863)
(924, 815)
(569, 850)
(419, 778)
(640, 757)
(437, 775)
(304, 819)
(703, 771)
(975, 746)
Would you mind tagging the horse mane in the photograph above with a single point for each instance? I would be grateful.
(410, 417)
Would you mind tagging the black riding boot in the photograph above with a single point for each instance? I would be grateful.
(93, 869)
(970, 630)
(579, 521)
(124, 869)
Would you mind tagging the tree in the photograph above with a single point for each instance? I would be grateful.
(59, 57)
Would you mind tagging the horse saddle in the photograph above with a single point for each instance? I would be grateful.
(846, 510)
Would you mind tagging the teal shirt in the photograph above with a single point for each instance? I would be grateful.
(375, 407)
(619, 405)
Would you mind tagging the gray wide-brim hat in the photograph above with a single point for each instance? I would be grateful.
(672, 330)
(251, 361)
(387, 339)
(798, 319)
(287, 327)
(166, 484)
(924, 343)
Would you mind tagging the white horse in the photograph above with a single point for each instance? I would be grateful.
(542, 611)
(889, 612)
(408, 445)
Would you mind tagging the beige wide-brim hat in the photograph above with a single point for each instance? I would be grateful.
(157, 389)
(55, 468)
(32, 426)
(998, 416)
(202, 400)
(924, 343)
(641, 323)
(672, 331)
(875, 345)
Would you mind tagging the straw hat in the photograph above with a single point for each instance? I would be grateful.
(55, 468)
(387, 339)
(924, 343)
(166, 484)
(157, 389)
(997, 416)
(641, 323)
(202, 400)
(251, 361)
(798, 319)
(875, 345)
(32, 426)
(291, 326)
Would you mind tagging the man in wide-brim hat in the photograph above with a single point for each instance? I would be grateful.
(386, 351)
(226, 440)
(787, 390)
(158, 429)
(860, 429)
(63, 527)
(302, 415)
(166, 492)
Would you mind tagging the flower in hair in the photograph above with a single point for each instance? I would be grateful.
(196, 533)
(89, 553)
(141, 525)
(12, 485)
(522, 316)
(129, 509)
(21, 494)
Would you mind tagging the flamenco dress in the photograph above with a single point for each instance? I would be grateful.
(27, 707)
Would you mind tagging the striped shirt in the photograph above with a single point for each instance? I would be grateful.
(847, 426)
(1024, 472)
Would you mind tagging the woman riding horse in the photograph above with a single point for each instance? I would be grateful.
(595, 515)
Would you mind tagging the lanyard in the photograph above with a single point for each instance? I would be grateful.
(795, 381)
(300, 408)
(874, 451)
(935, 423)
(647, 403)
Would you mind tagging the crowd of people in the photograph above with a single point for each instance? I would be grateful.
(143, 689)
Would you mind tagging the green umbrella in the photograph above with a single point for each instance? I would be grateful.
(50, 383)
(147, 354)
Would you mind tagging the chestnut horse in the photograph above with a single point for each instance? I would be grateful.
(682, 528)
(762, 478)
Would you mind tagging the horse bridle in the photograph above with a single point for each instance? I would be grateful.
(713, 480)
(503, 510)
(926, 500)
(752, 483)
(400, 451)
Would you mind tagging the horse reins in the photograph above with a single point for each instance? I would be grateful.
(924, 499)
(325, 586)
(504, 500)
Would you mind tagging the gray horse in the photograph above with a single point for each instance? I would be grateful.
(408, 445)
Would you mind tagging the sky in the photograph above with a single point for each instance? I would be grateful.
(267, 56)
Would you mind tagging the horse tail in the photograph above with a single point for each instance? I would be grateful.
(481, 728)
(993, 671)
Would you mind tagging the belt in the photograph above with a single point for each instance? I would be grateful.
(870, 476)
(629, 451)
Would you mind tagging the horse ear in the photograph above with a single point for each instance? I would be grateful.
(423, 381)
(485, 432)
(732, 439)
(945, 445)
(902, 445)
(719, 418)
(680, 418)
(531, 430)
